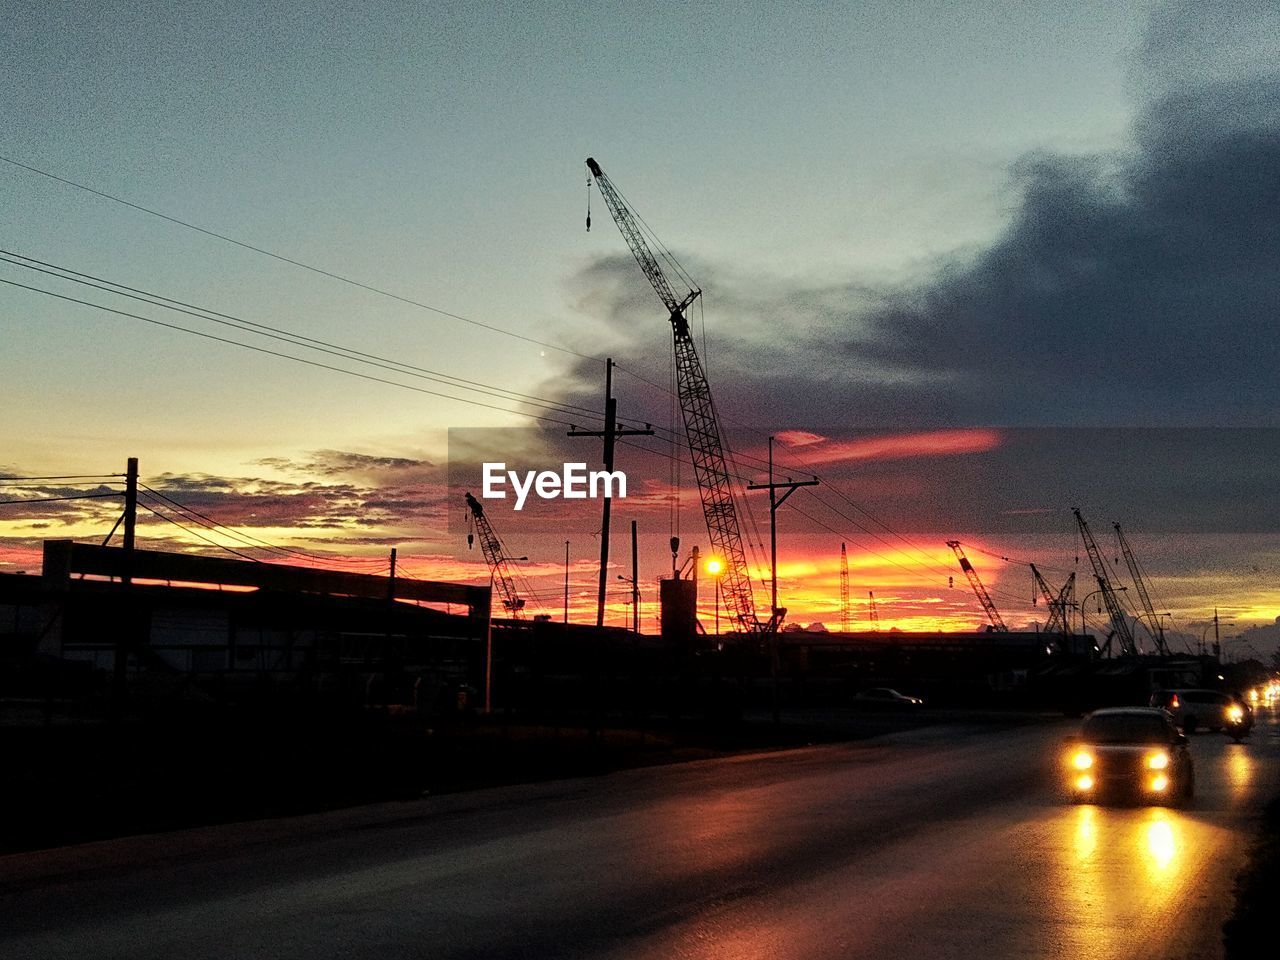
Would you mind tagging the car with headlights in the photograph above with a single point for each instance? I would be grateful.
(1214, 710)
(1134, 753)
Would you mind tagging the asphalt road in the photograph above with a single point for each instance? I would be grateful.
(941, 842)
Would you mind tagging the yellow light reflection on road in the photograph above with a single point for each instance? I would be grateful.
(1239, 769)
(1161, 843)
(1086, 837)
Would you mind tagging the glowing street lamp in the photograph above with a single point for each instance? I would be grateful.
(715, 567)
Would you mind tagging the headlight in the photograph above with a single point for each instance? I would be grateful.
(1159, 782)
(1082, 760)
(1158, 761)
(1084, 782)
(1235, 714)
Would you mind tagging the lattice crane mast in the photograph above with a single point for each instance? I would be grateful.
(846, 608)
(979, 590)
(1157, 628)
(491, 547)
(702, 429)
(872, 614)
(1119, 622)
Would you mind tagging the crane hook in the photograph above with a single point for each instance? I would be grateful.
(588, 203)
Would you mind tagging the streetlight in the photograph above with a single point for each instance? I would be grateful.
(715, 567)
(488, 637)
(1215, 623)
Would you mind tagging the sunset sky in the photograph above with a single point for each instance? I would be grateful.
(974, 264)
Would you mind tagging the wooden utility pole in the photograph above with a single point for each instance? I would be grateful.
(635, 582)
(776, 613)
(610, 433)
(130, 515)
(126, 624)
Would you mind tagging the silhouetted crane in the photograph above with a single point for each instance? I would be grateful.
(1157, 628)
(1058, 622)
(494, 556)
(1119, 622)
(702, 429)
(984, 598)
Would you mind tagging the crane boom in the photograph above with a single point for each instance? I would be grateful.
(1057, 604)
(1119, 622)
(491, 547)
(1157, 629)
(984, 598)
(701, 425)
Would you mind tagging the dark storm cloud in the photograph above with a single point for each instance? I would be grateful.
(1131, 289)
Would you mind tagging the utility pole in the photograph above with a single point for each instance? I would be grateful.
(610, 433)
(130, 516)
(775, 501)
(391, 580)
(635, 581)
(775, 614)
(566, 581)
(125, 628)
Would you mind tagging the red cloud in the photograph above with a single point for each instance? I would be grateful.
(809, 449)
(799, 438)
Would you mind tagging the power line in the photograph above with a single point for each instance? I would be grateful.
(1022, 563)
(251, 541)
(831, 529)
(297, 263)
(286, 336)
(79, 478)
(211, 524)
(196, 533)
(285, 356)
(83, 496)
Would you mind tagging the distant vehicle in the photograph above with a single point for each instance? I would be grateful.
(1210, 709)
(885, 697)
(1130, 752)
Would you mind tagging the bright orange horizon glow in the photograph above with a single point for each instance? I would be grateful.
(917, 585)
